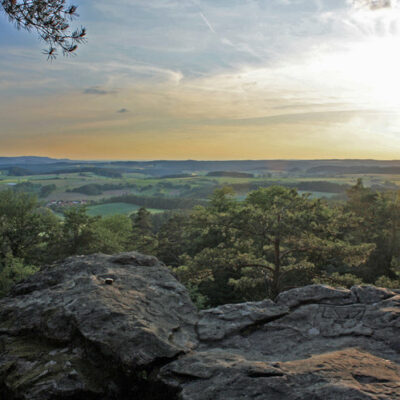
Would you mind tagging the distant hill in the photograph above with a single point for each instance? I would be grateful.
(32, 165)
(362, 169)
(30, 160)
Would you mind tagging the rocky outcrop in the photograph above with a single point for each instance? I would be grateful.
(314, 343)
(121, 327)
(66, 333)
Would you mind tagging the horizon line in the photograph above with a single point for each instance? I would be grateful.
(202, 160)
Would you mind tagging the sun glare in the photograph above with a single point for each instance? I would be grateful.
(373, 68)
(364, 68)
(373, 61)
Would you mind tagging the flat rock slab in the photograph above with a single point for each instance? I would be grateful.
(349, 374)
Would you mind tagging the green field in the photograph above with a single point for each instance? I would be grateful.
(115, 208)
(111, 198)
(319, 195)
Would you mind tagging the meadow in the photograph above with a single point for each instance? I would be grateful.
(105, 210)
(123, 187)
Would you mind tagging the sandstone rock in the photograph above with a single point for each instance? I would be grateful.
(333, 344)
(371, 294)
(315, 294)
(349, 374)
(107, 331)
(219, 322)
(66, 334)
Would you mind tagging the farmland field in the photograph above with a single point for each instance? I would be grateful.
(109, 188)
(115, 208)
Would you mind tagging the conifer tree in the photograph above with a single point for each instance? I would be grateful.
(51, 19)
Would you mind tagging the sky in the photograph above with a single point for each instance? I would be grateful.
(209, 79)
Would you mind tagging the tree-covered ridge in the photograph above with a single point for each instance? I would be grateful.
(225, 250)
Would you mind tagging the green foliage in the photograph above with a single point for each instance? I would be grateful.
(27, 187)
(26, 232)
(199, 299)
(274, 240)
(93, 189)
(78, 231)
(13, 270)
(337, 279)
(142, 221)
(226, 251)
(167, 203)
(113, 234)
(172, 240)
(231, 174)
(46, 190)
(83, 234)
(18, 171)
(25, 228)
(379, 223)
(142, 237)
(386, 282)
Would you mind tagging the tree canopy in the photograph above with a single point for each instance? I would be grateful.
(226, 251)
(274, 240)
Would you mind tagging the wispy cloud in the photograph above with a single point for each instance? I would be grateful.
(207, 22)
(373, 4)
(97, 91)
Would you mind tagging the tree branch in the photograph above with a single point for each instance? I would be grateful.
(50, 19)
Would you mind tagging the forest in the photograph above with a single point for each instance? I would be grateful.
(226, 250)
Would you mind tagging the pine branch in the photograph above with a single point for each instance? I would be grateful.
(50, 19)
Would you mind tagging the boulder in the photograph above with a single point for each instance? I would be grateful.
(66, 332)
(121, 327)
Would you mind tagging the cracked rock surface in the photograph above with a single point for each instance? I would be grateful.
(68, 333)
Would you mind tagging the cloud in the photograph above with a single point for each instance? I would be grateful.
(273, 72)
(374, 4)
(97, 91)
(207, 22)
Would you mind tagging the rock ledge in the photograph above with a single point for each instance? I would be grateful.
(66, 333)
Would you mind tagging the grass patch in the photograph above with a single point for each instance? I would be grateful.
(108, 209)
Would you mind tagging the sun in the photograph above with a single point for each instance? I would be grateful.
(374, 68)
(372, 59)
